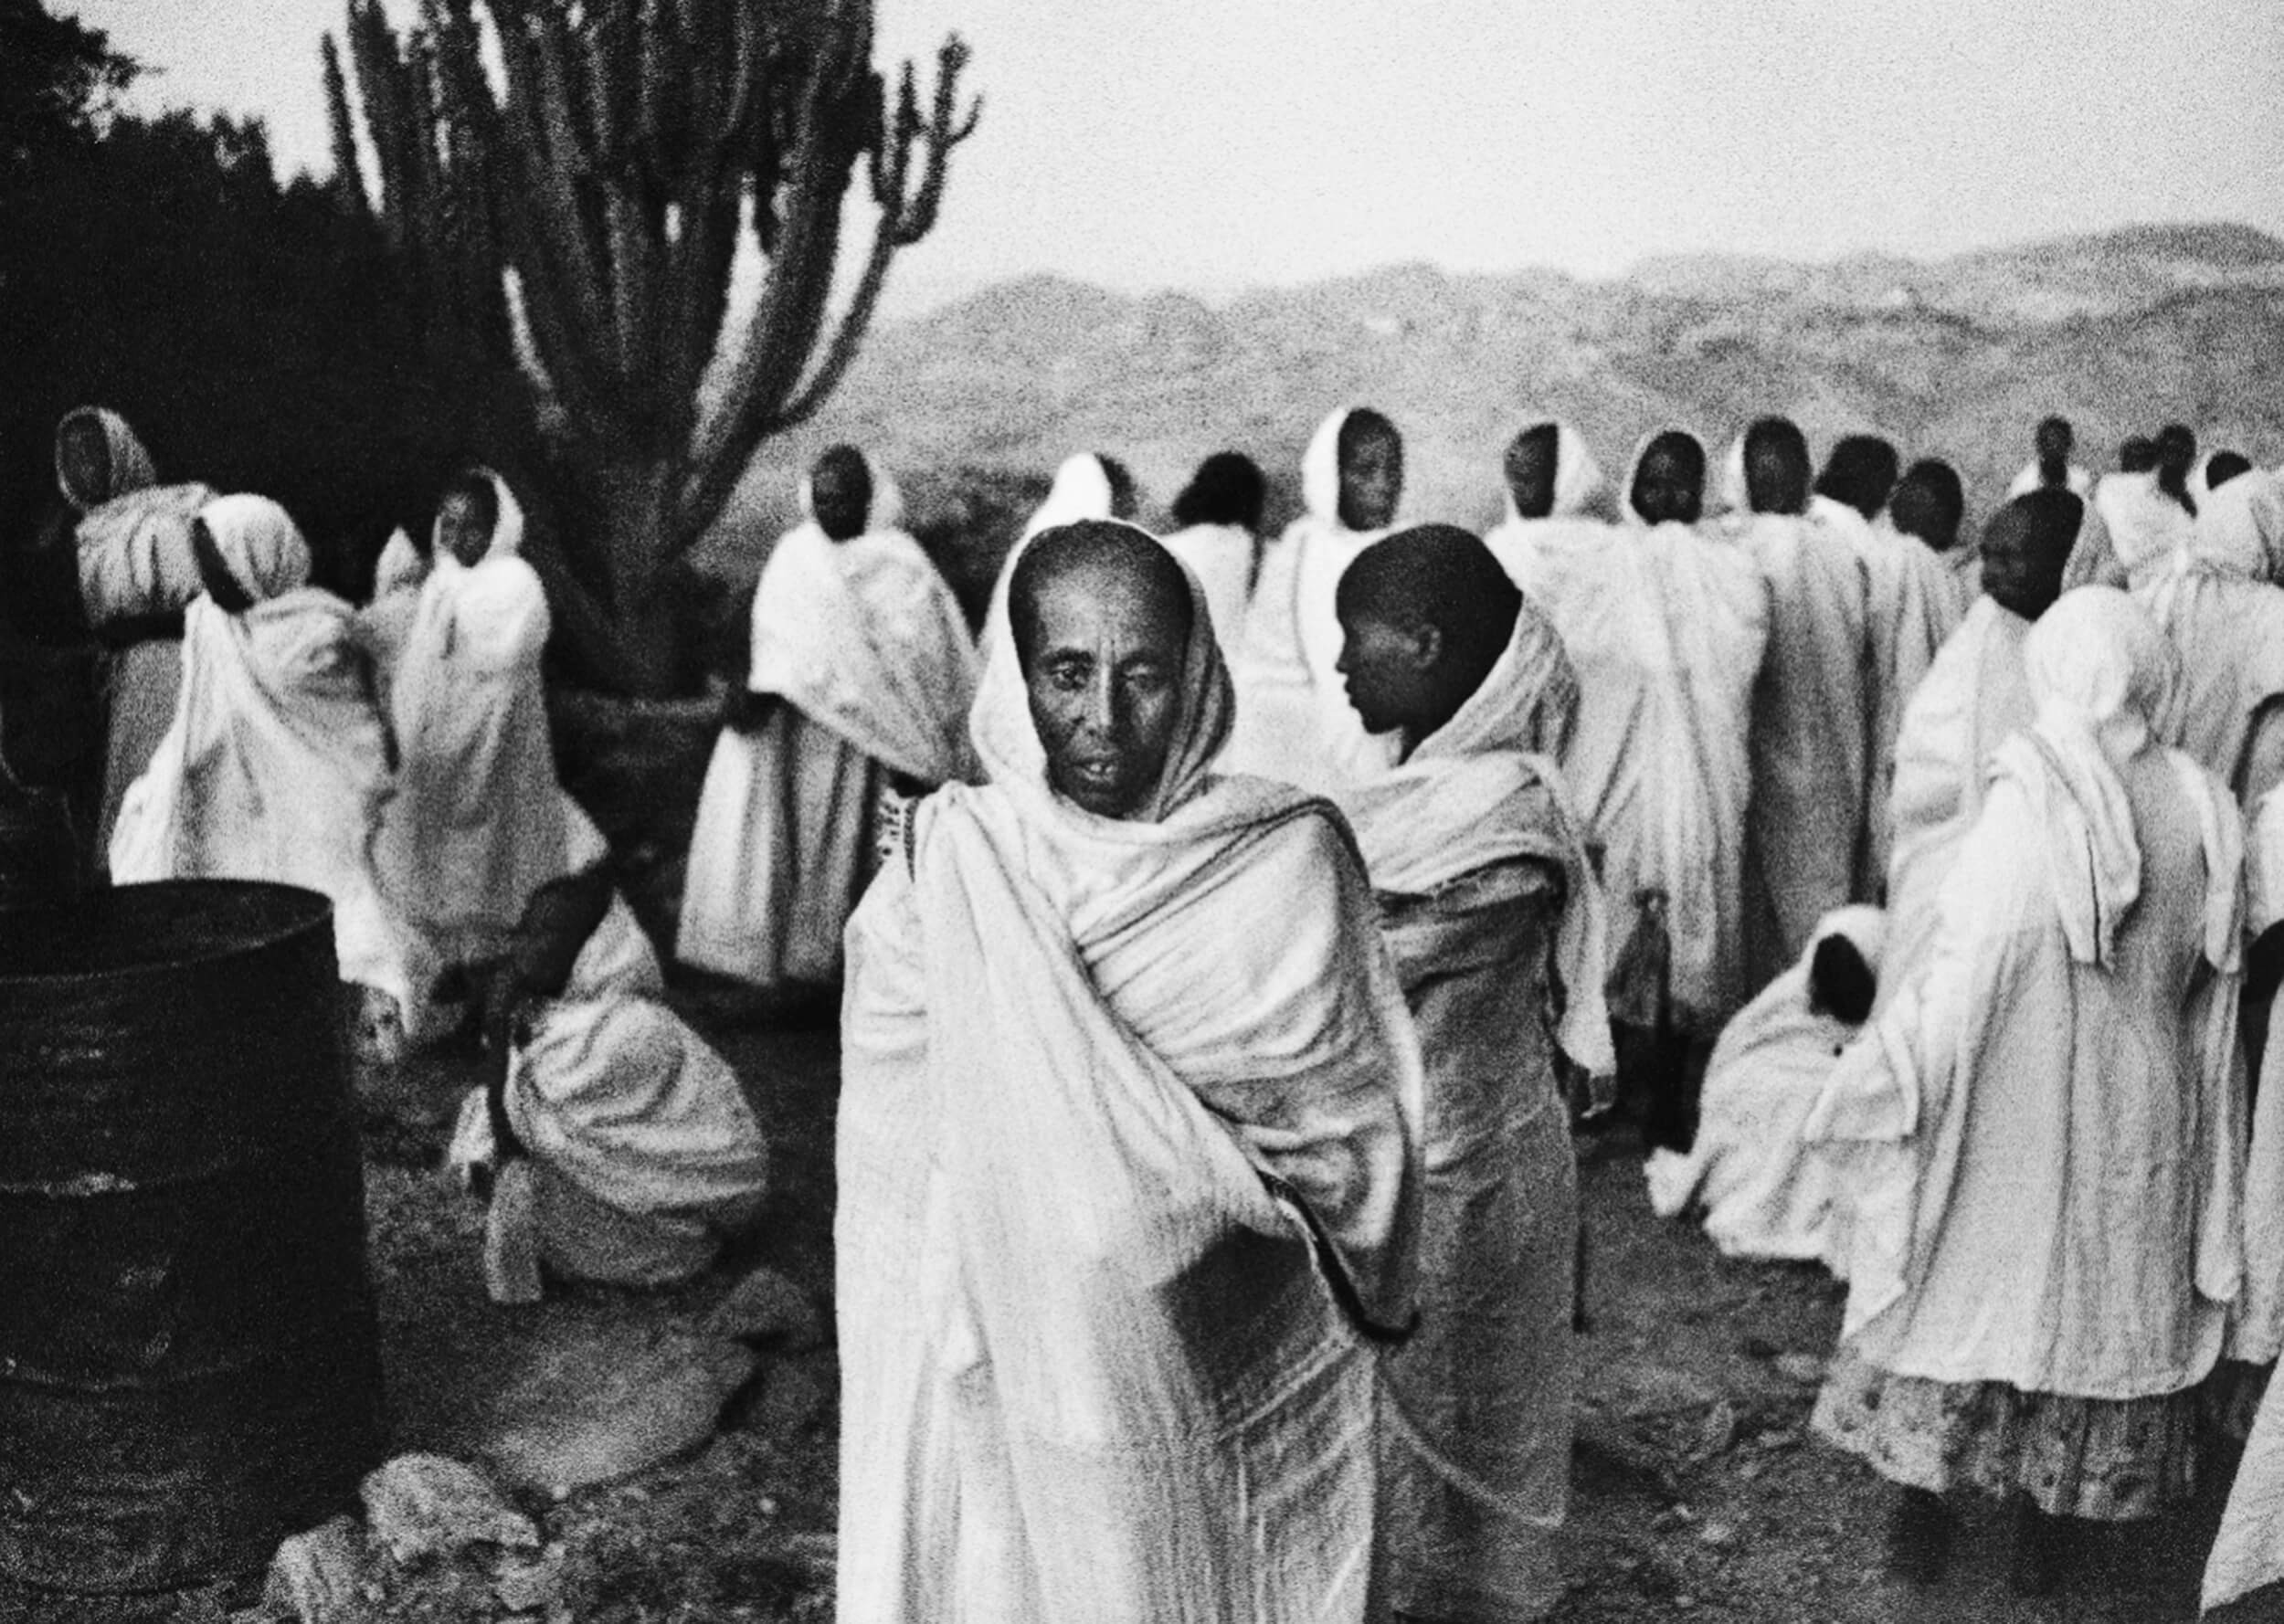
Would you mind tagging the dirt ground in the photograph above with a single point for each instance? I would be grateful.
(1698, 1494)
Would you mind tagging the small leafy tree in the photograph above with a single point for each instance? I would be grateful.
(624, 150)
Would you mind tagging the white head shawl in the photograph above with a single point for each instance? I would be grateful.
(130, 465)
(1863, 927)
(1320, 471)
(1578, 478)
(1081, 490)
(1007, 740)
(1507, 737)
(260, 544)
(2240, 529)
(1626, 513)
(886, 509)
(507, 531)
(2102, 677)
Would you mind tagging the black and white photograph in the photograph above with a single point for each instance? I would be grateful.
(1031, 812)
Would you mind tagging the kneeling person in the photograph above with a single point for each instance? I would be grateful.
(1496, 926)
(620, 1147)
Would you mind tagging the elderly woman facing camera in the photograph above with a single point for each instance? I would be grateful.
(1127, 1149)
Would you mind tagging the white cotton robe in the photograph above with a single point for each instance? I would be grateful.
(1973, 696)
(2220, 605)
(866, 645)
(1666, 625)
(1293, 721)
(2144, 527)
(1765, 1191)
(1495, 921)
(1581, 496)
(1913, 602)
(480, 820)
(1111, 1159)
(275, 769)
(2045, 1131)
(1812, 714)
(640, 1152)
(2248, 1553)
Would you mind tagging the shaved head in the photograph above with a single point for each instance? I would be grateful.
(1426, 613)
(1103, 552)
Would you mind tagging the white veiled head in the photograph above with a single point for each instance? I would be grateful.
(260, 544)
(2240, 528)
(1008, 742)
(886, 510)
(1081, 491)
(1579, 483)
(507, 529)
(127, 466)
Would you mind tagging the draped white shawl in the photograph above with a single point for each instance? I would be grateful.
(480, 820)
(274, 766)
(1581, 493)
(2100, 674)
(865, 636)
(1486, 787)
(1092, 1366)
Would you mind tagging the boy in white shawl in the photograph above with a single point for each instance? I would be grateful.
(863, 669)
(1294, 723)
(1496, 922)
(1811, 711)
(277, 764)
(1127, 1183)
(1553, 486)
(2048, 1125)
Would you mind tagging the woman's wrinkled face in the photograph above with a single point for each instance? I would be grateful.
(1668, 487)
(86, 459)
(462, 530)
(1104, 682)
(1371, 482)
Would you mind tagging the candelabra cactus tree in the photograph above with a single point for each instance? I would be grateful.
(612, 154)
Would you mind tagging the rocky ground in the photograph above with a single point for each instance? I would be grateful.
(1698, 1494)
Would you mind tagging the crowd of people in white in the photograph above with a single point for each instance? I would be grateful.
(1233, 939)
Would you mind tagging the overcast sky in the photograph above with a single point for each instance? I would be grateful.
(1217, 143)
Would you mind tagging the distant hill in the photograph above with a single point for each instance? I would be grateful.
(2119, 331)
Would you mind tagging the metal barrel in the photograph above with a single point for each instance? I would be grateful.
(189, 1365)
